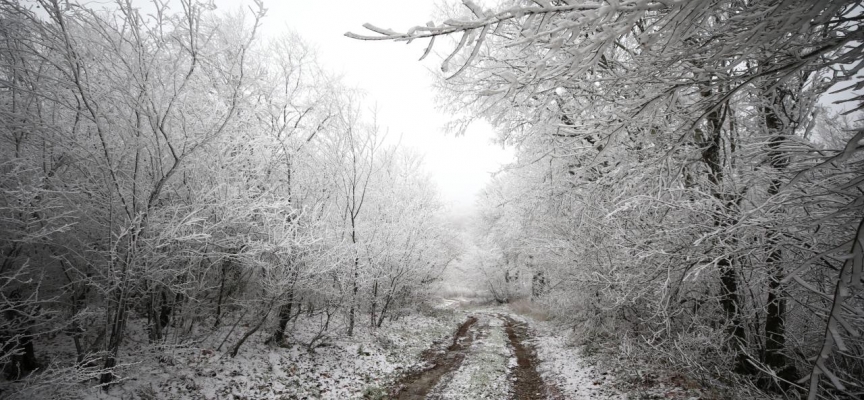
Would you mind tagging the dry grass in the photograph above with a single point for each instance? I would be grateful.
(452, 293)
(528, 308)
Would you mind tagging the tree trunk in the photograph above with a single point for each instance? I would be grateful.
(354, 289)
(117, 330)
(387, 300)
(284, 318)
(374, 305)
(236, 348)
(118, 323)
(221, 294)
(711, 140)
(731, 304)
(538, 284)
(775, 325)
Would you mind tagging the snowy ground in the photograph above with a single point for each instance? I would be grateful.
(489, 368)
(605, 375)
(482, 363)
(564, 366)
(347, 367)
(343, 368)
(370, 362)
(484, 373)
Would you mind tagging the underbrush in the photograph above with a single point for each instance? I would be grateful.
(591, 350)
(692, 365)
(199, 367)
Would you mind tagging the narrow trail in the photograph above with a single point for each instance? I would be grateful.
(417, 385)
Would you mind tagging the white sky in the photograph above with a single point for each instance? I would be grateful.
(395, 81)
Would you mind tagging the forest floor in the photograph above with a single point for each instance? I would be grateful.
(453, 351)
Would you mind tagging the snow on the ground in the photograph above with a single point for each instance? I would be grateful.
(349, 367)
(484, 372)
(562, 365)
(345, 367)
(451, 303)
(605, 375)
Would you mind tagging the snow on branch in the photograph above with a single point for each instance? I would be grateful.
(487, 19)
(484, 20)
(852, 268)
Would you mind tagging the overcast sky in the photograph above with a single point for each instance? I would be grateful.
(395, 81)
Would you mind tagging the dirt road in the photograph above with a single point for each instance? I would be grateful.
(491, 357)
(417, 384)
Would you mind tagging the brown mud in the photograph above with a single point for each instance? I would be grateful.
(417, 384)
(528, 384)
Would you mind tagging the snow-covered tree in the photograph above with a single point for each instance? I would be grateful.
(677, 136)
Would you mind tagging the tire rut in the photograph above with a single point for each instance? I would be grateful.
(528, 384)
(417, 384)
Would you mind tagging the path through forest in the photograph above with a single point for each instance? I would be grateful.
(491, 356)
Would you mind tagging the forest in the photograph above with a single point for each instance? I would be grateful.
(192, 209)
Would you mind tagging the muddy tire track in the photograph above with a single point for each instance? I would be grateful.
(417, 384)
(528, 384)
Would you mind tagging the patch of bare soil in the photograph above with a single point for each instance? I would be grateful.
(528, 384)
(417, 384)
